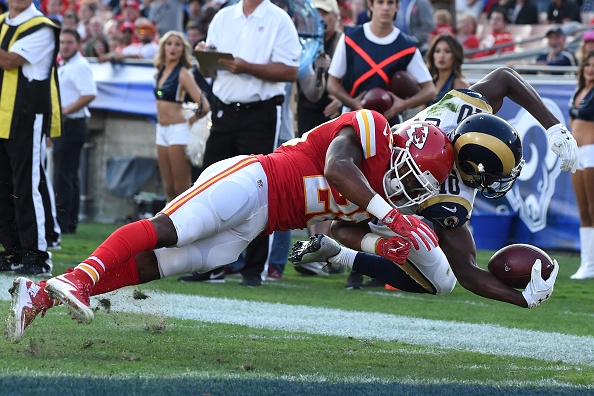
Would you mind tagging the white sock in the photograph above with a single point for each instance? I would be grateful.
(345, 257)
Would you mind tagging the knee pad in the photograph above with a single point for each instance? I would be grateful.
(435, 268)
(227, 198)
(219, 208)
(195, 221)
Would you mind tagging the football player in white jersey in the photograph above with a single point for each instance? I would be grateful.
(488, 159)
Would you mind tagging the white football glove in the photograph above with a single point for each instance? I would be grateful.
(564, 145)
(539, 289)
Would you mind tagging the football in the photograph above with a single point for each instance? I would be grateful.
(513, 264)
(377, 99)
(403, 84)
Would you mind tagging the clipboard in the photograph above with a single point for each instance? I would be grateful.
(208, 60)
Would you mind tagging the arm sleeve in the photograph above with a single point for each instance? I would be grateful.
(35, 46)
(338, 65)
(84, 82)
(287, 48)
(213, 30)
(418, 69)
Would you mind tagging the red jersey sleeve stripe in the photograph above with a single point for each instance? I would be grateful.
(366, 124)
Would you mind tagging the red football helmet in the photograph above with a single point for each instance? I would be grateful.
(422, 159)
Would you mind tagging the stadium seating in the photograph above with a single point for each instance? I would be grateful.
(520, 32)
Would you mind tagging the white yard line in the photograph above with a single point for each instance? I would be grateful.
(482, 338)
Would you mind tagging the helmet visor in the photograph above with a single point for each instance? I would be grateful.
(496, 186)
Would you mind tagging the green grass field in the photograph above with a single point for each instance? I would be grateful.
(302, 335)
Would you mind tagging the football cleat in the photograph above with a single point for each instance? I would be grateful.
(35, 263)
(27, 300)
(73, 292)
(354, 281)
(319, 248)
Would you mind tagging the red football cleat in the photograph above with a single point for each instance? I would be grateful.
(73, 290)
(28, 299)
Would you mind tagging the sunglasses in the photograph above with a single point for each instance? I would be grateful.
(145, 30)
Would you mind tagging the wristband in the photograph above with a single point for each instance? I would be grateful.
(379, 207)
(529, 299)
(369, 241)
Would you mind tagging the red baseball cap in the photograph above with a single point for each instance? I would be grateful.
(131, 3)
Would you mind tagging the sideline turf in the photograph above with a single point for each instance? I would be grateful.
(152, 354)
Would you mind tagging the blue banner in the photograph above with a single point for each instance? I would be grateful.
(126, 88)
(541, 209)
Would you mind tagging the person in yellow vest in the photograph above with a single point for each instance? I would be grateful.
(29, 111)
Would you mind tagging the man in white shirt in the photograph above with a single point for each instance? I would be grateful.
(29, 111)
(78, 89)
(248, 93)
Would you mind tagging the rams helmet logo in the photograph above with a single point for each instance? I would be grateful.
(488, 154)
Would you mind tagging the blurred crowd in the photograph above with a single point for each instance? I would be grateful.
(113, 30)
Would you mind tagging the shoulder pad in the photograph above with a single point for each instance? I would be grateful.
(447, 211)
(373, 130)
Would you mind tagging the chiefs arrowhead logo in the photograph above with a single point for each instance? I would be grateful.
(418, 133)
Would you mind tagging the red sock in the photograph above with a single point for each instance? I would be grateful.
(116, 278)
(124, 244)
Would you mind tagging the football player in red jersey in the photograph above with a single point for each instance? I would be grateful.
(338, 170)
(488, 159)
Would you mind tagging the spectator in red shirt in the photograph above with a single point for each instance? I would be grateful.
(498, 20)
(443, 20)
(344, 7)
(130, 11)
(145, 49)
(117, 42)
(63, 7)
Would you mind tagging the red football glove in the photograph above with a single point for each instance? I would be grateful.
(411, 228)
(395, 249)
